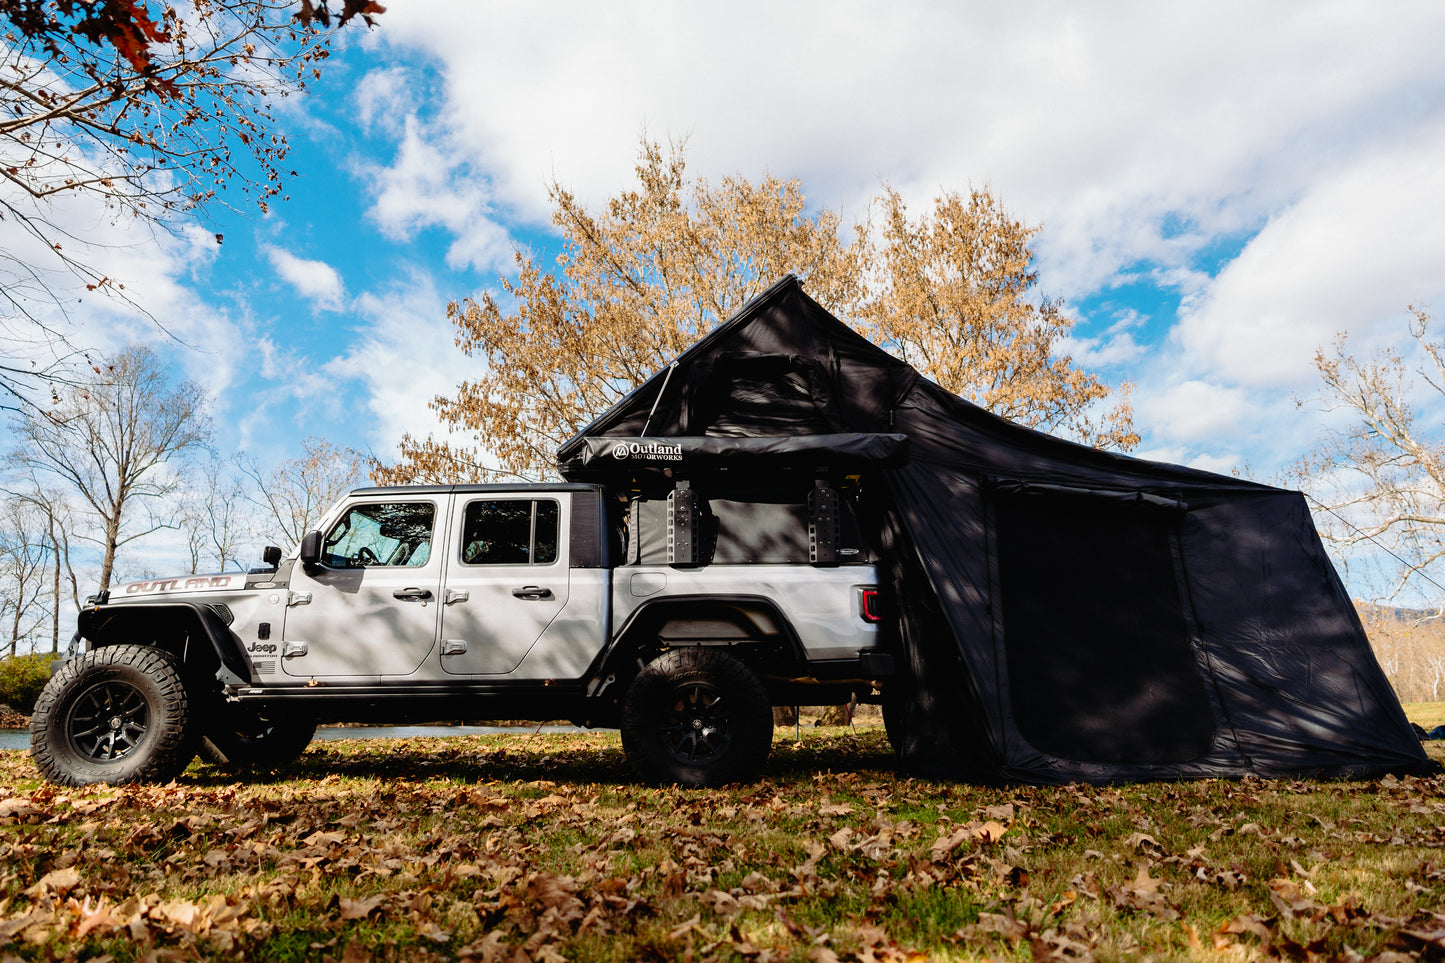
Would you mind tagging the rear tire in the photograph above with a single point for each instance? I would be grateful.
(116, 715)
(238, 740)
(697, 717)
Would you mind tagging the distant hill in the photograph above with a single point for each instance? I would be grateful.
(1371, 612)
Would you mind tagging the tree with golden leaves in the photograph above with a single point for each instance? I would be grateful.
(638, 283)
(665, 262)
(952, 297)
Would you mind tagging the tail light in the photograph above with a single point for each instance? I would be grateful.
(870, 604)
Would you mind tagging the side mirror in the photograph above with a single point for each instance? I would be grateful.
(271, 556)
(310, 548)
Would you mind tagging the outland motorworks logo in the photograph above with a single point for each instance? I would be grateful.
(652, 451)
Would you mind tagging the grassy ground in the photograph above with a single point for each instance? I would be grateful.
(1426, 714)
(540, 847)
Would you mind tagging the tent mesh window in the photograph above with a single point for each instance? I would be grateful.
(1101, 666)
(750, 395)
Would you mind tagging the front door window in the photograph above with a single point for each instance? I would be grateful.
(387, 534)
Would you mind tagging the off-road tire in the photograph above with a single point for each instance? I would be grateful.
(116, 714)
(239, 740)
(697, 717)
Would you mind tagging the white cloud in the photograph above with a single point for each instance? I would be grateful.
(429, 183)
(149, 294)
(1356, 245)
(1349, 255)
(1221, 463)
(1196, 410)
(1099, 121)
(316, 281)
(383, 99)
(403, 357)
(1115, 347)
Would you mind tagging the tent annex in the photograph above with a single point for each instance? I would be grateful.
(1060, 613)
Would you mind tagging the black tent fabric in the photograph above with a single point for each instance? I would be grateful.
(1072, 614)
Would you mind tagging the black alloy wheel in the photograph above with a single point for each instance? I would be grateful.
(239, 739)
(696, 729)
(107, 721)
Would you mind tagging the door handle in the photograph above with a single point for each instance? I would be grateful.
(532, 592)
(412, 594)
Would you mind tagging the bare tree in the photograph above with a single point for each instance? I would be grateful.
(220, 517)
(1380, 480)
(59, 517)
(57, 520)
(22, 572)
(111, 442)
(109, 114)
(295, 493)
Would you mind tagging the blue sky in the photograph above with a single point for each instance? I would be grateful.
(1221, 187)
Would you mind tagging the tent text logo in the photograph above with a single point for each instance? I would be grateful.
(651, 451)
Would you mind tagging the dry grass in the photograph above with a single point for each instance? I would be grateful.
(540, 847)
(1427, 715)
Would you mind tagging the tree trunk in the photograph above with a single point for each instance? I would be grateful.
(112, 536)
(54, 585)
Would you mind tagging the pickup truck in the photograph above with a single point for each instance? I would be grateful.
(679, 617)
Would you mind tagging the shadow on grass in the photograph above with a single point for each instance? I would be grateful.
(588, 758)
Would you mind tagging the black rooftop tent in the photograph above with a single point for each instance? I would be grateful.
(1061, 613)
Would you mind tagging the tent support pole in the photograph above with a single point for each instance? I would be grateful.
(655, 401)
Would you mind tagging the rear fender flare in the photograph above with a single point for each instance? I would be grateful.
(741, 620)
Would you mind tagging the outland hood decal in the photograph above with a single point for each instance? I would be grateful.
(184, 583)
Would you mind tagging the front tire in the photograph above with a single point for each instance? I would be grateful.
(697, 717)
(116, 715)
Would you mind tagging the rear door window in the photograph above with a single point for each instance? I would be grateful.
(513, 531)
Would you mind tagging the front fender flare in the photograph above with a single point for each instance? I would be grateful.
(105, 624)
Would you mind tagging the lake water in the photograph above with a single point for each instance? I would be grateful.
(20, 738)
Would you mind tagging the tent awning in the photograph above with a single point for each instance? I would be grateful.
(838, 452)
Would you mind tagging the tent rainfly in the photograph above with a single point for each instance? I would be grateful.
(1061, 613)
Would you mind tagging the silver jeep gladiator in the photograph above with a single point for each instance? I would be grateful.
(679, 617)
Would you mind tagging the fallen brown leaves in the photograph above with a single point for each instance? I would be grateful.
(504, 849)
